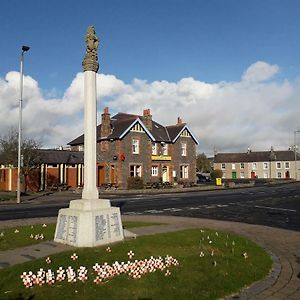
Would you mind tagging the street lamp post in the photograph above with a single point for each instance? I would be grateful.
(24, 49)
(295, 151)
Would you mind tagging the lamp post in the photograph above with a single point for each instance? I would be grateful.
(295, 151)
(24, 49)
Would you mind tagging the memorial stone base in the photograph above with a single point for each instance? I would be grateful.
(89, 223)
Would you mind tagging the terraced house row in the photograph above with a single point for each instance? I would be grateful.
(259, 164)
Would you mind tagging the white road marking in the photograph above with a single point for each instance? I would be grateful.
(272, 208)
(153, 211)
(172, 209)
(276, 208)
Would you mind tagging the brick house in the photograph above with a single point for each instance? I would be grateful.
(259, 164)
(131, 145)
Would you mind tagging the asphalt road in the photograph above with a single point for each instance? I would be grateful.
(276, 206)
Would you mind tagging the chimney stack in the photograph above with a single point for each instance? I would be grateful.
(147, 118)
(105, 124)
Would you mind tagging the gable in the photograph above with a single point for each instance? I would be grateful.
(185, 132)
(137, 126)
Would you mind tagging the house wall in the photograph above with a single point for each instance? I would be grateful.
(107, 150)
(268, 169)
(189, 159)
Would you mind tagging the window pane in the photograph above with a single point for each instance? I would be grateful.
(154, 151)
(135, 146)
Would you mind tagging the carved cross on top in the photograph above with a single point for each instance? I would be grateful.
(90, 61)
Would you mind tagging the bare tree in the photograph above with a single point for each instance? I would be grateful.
(30, 158)
(203, 163)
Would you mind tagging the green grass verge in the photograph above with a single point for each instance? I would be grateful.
(5, 196)
(9, 239)
(196, 277)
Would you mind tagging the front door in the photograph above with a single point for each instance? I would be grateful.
(233, 175)
(253, 175)
(101, 175)
(165, 174)
(112, 174)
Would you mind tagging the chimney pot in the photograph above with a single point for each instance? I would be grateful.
(146, 112)
(179, 120)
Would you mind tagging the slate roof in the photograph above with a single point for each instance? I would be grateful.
(51, 156)
(122, 122)
(256, 156)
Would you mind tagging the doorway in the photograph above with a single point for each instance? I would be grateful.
(112, 174)
(101, 175)
(165, 174)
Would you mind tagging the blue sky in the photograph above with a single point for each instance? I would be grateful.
(151, 39)
(211, 41)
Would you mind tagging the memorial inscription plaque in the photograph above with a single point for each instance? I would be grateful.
(72, 229)
(61, 233)
(100, 227)
(115, 224)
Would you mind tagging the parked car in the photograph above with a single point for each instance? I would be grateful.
(202, 178)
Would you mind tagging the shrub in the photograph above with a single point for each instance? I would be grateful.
(216, 174)
(135, 183)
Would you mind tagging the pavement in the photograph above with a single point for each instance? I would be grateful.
(283, 245)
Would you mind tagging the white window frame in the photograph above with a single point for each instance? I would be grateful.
(287, 165)
(184, 171)
(278, 165)
(254, 166)
(266, 175)
(242, 175)
(154, 171)
(265, 165)
(135, 170)
(154, 149)
(223, 166)
(279, 175)
(183, 149)
(164, 149)
(233, 166)
(135, 146)
(242, 165)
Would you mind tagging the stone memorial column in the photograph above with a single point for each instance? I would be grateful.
(89, 221)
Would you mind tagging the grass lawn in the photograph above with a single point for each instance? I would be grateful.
(9, 239)
(5, 196)
(211, 265)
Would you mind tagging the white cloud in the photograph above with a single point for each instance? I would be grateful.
(260, 71)
(229, 116)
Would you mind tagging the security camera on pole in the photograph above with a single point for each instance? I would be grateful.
(89, 221)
